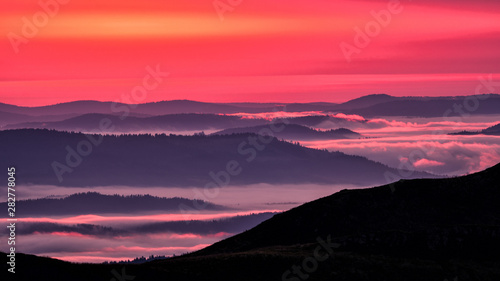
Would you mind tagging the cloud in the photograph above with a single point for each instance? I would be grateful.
(426, 163)
(349, 117)
(92, 219)
(441, 154)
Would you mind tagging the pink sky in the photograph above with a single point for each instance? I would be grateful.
(261, 51)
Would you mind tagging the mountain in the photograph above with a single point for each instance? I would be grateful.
(319, 121)
(367, 106)
(295, 132)
(423, 229)
(95, 203)
(291, 107)
(423, 217)
(187, 106)
(158, 108)
(171, 122)
(7, 118)
(430, 106)
(75, 159)
(365, 101)
(186, 122)
(493, 130)
(76, 107)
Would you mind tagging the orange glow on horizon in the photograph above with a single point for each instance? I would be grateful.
(259, 50)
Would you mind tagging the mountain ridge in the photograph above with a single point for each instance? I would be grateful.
(295, 132)
(369, 105)
(93, 203)
(175, 160)
(477, 191)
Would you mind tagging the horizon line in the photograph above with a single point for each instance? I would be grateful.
(247, 102)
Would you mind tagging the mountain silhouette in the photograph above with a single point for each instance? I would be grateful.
(365, 101)
(8, 118)
(429, 106)
(321, 120)
(493, 130)
(96, 203)
(295, 132)
(157, 108)
(130, 124)
(424, 216)
(366, 106)
(75, 159)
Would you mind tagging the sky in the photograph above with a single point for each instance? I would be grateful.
(250, 50)
(253, 51)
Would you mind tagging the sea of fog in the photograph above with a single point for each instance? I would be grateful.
(248, 197)
(97, 238)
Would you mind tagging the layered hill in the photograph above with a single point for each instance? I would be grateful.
(130, 124)
(427, 106)
(295, 132)
(160, 108)
(367, 106)
(75, 159)
(96, 203)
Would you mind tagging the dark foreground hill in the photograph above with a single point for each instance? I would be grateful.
(74, 159)
(427, 229)
(384, 219)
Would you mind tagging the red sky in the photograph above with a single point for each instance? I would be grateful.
(261, 51)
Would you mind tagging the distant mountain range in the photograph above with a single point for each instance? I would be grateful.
(159, 108)
(493, 130)
(95, 203)
(7, 118)
(425, 229)
(367, 106)
(162, 160)
(190, 122)
(295, 132)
